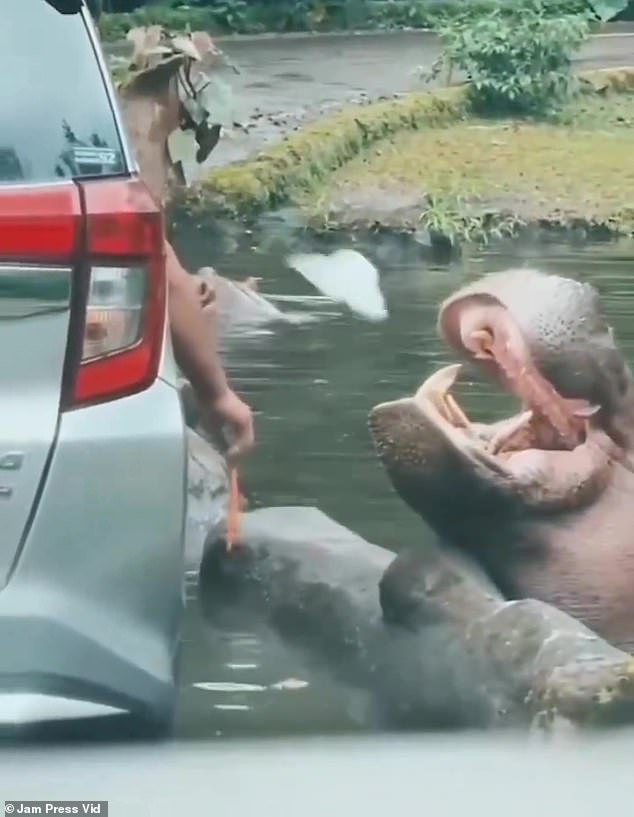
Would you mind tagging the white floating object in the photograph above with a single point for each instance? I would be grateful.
(290, 683)
(233, 707)
(228, 686)
(344, 276)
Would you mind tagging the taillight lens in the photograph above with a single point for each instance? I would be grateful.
(121, 336)
(40, 224)
(114, 312)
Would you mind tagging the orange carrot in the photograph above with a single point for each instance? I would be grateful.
(233, 518)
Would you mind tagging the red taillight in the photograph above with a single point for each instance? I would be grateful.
(125, 296)
(40, 224)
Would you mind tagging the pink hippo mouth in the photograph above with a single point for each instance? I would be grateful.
(428, 440)
(529, 433)
(481, 329)
(552, 456)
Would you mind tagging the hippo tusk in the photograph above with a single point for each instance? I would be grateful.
(433, 394)
(436, 386)
(511, 428)
(458, 416)
(435, 390)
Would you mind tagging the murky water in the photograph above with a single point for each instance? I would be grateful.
(311, 385)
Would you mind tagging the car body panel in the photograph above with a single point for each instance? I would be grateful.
(168, 369)
(94, 604)
(34, 318)
(92, 521)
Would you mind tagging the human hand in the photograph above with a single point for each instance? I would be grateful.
(228, 410)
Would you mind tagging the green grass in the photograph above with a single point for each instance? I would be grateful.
(305, 160)
(424, 159)
(580, 169)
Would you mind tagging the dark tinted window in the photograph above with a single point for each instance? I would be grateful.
(56, 121)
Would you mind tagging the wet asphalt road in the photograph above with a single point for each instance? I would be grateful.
(339, 777)
(287, 81)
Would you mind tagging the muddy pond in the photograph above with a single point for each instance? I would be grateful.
(311, 384)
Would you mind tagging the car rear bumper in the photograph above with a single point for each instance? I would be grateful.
(93, 606)
(65, 674)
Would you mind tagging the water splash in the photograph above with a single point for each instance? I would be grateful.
(345, 276)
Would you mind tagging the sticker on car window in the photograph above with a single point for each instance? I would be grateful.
(103, 160)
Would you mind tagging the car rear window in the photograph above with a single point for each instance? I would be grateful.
(56, 120)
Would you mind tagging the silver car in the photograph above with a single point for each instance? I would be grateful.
(93, 453)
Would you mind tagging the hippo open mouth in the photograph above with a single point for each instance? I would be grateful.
(481, 328)
(542, 500)
(554, 455)
(548, 455)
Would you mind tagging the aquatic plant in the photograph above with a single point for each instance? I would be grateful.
(459, 217)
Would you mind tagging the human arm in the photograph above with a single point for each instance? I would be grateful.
(194, 343)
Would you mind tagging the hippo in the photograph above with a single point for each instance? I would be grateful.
(234, 304)
(542, 501)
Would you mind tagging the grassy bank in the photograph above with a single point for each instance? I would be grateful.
(476, 172)
(424, 159)
(255, 17)
(294, 167)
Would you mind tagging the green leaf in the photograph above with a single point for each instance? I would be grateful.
(607, 9)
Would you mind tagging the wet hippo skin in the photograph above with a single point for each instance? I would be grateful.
(440, 649)
(542, 501)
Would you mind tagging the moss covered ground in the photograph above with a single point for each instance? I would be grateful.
(424, 158)
(578, 169)
(292, 168)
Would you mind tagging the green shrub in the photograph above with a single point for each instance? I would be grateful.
(517, 62)
(234, 17)
(423, 13)
(241, 17)
(253, 16)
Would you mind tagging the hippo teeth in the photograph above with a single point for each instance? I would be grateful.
(435, 390)
(502, 437)
(440, 381)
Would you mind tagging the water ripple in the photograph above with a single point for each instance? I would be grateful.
(311, 387)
